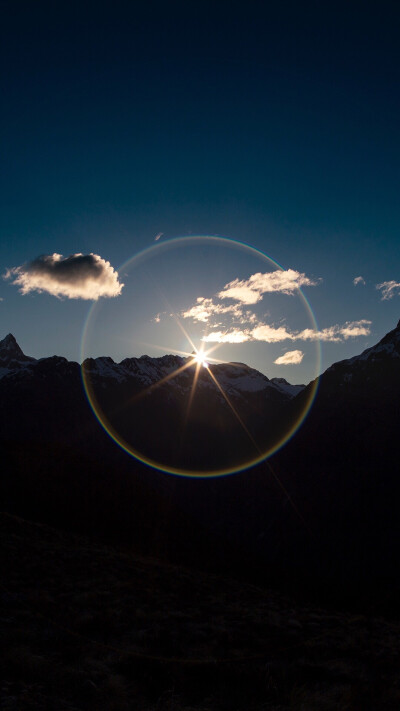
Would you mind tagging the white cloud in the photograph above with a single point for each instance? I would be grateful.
(270, 334)
(352, 329)
(332, 334)
(158, 236)
(79, 276)
(204, 309)
(251, 290)
(358, 280)
(234, 336)
(290, 358)
(337, 334)
(389, 289)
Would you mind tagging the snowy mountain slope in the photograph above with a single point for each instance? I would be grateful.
(237, 379)
(377, 365)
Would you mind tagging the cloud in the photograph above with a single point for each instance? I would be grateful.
(234, 336)
(158, 236)
(389, 289)
(352, 329)
(204, 309)
(337, 334)
(247, 292)
(79, 276)
(358, 280)
(270, 334)
(251, 290)
(290, 358)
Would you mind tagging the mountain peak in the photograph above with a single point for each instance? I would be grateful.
(9, 346)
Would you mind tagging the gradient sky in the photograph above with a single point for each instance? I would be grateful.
(274, 124)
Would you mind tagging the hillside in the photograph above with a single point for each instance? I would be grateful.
(89, 627)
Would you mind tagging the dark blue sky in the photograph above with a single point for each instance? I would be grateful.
(276, 124)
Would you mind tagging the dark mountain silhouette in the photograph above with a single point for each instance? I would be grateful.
(320, 516)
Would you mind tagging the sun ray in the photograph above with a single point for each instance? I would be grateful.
(185, 333)
(224, 395)
(192, 391)
(289, 498)
(166, 378)
(274, 475)
(168, 349)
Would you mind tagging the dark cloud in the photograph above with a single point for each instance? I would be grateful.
(79, 276)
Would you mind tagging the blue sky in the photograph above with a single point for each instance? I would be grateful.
(273, 124)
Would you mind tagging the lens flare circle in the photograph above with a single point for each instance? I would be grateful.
(140, 268)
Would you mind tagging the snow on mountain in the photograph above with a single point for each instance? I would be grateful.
(288, 388)
(387, 350)
(236, 379)
(12, 358)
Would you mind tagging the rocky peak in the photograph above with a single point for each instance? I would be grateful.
(10, 352)
(10, 345)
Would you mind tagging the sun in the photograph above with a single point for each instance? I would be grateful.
(200, 358)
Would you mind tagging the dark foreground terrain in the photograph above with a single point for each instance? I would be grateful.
(86, 626)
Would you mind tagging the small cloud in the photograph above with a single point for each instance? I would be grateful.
(358, 280)
(158, 236)
(389, 289)
(337, 334)
(79, 276)
(234, 336)
(251, 290)
(290, 358)
(270, 334)
(204, 309)
(157, 318)
(352, 329)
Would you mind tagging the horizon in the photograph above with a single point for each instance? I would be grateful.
(183, 357)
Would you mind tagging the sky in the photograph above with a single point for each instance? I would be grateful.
(127, 125)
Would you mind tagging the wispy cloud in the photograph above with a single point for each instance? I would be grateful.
(290, 358)
(204, 309)
(251, 290)
(358, 280)
(158, 236)
(270, 334)
(233, 336)
(336, 334)
(389, 289)
(79, 276)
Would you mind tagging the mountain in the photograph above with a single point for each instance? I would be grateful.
(321, 513)
(236, 378)
(149, 402)
(12, 358)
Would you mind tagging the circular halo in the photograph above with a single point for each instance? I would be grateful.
(165, 273)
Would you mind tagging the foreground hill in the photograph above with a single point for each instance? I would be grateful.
(88, 627)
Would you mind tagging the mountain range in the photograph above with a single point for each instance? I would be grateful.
(320, 514)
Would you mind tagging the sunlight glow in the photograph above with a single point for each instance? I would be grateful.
(200, 358)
